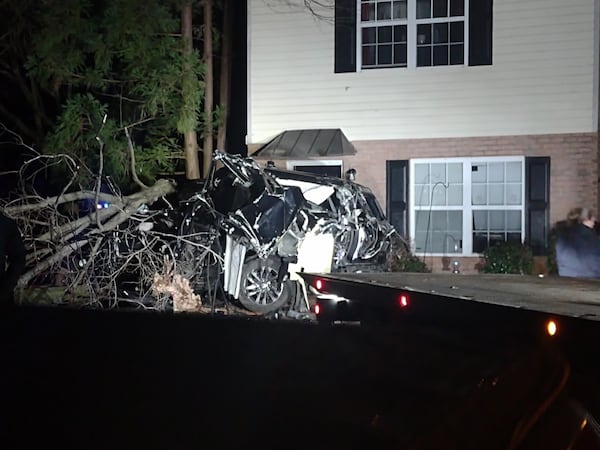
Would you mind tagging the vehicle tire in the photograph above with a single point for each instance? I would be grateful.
(259, 290)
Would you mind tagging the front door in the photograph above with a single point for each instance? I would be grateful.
(397, 195)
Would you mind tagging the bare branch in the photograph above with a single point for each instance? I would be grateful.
(31, 203)
(56, 257)
(100, 170)
(319, 9)
(132, 159)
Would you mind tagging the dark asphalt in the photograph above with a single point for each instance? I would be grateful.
(110, 380)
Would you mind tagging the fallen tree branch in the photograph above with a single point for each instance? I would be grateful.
(59, 239)
(103, 255)
(40, 267)
(31, 203)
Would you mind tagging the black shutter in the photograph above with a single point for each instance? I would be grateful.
(480, 32)
(397, 195)
(537, 203)
(345, 36)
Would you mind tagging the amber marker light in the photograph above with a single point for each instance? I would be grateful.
(551, 328)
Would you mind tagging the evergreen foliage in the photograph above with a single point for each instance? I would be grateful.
(122, 58)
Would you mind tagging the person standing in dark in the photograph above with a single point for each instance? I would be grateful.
(12, 259)
(578, 245)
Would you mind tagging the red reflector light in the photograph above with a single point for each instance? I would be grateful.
(319, 284)
(403, 301)
(317, 309)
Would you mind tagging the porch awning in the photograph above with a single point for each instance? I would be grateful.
(307, 143)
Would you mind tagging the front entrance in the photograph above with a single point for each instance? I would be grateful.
(320, 169)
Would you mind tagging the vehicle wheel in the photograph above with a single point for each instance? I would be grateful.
(259, 291)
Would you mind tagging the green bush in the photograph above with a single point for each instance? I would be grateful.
(508, 257)
(400, 258)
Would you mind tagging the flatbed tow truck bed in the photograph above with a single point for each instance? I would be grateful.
(558, 295)
(454, 297)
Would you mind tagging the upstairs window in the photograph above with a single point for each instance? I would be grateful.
(384, 33)
(440, 32)
(401, 33)
(374, 34)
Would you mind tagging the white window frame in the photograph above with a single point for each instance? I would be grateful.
(290, 164)
(467, 207)
(411, 44)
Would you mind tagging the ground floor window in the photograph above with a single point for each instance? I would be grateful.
(464, 205)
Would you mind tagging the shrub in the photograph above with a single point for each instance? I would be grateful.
(400, 258)
(506, 257)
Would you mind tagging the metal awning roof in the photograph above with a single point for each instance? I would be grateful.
(307, 143)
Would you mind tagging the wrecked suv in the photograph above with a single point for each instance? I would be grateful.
(250, 230)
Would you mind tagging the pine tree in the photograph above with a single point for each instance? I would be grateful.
(124, 60)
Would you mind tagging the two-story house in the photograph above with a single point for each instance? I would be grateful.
(472, 120)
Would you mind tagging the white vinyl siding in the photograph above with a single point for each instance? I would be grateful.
(541, 80)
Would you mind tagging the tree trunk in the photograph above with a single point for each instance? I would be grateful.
(192, 168)
(225, 75)
(208, 87)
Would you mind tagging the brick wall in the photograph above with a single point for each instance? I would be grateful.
(574, 162)
(574, 157)
(574, 177)
(468, 265)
